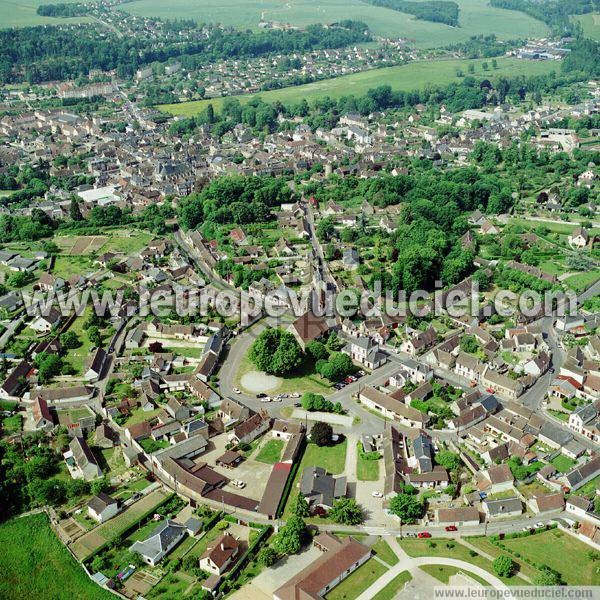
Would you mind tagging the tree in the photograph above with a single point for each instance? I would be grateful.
(504, 566)
(325, 229)
(74, 210)
(69, 340)
(94, 335)
(291, 536)
(267, 556)
(346, 511)
(49, 365)
(276, 352)
(449, 460)
(407, 507)
(317, 350)
(300, 507)
(547, 576)
(47, 491)
(100, 485)
(321, 433)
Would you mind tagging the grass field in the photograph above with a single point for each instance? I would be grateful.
(393, 587)
(34, 564)
(590, 24)
(409, 77)
(558, 550)
(22, 13)
(384, 552)
(444, 572)
(358, 581)
(367, 470)
(563, 463)
(476, 16)
(270, 453)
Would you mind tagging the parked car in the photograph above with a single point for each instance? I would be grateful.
(261, 395)
(238, 483)
(297, 405)
(236, 390)
(295, 395)
(267, 399)
(423, 534)
(451, 528)
(377, 494)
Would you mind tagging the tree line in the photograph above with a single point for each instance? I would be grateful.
(436, 11)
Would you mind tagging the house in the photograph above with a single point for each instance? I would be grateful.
(420, 342)
(44, 323)
(499, 509)
(462, 516)
(321, 489)
(97, 363)
(579, 476)
(308, 328)
(202, 391)
(586, 421)
(102, 507)
(161, 541)
(501, 384)
(578, 505)
(365, 351)
(229, 459)
(501, 478)
(231, 412)
(42, 417)
(423, 452)
(81, 460)
(339, 559)
(249, 430)
(105, 436)
(16, 382)
(177, 409)
(579, 238)
(547, 503)
(392, 408)
(220, 554)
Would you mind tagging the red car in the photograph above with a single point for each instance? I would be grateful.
(452, 528)
(424, 534)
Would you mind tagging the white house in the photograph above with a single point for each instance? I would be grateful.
(102, 507)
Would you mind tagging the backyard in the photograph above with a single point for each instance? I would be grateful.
(270, 452)
(358, 581)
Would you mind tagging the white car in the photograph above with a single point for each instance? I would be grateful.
(238, 483)
(295, 395)
(539, 525)
(236, 391)
(277, 399)
(267, 399)
(377, 494)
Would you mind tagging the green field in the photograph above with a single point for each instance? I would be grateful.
(393, 587)
(21, 13)
(476, 16)
(558, 550)
(34, 564)
(358, 581)
(270, 453)
(413, 76)
(590, 24)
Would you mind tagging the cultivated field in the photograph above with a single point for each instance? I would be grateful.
(476, 16)
(22, 13)
(34, 564)
(413, 76)
(590, 24)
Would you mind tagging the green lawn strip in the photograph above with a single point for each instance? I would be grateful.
(393, 587)
(173, 585)
(581, 281)
(486, 546)
(384, 552)
(444, 572)
(418, 548)
(563, 463)
(358, 581)
(34, 564)
(559, 414)
(561, 552)
(367, 470)
(589, 489)
(270, 452)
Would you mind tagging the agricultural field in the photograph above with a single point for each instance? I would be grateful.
(412, 76)
(22, 13)
(476, 16)
(590, 24)
(34, 564)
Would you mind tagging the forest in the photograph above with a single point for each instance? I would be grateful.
(437, 11)
(66, 52)
(74, 9)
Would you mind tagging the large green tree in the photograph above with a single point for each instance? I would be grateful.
(276, 352)
(407, 507)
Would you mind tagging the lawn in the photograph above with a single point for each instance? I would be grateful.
(589, 489)
(384, 552)
(78, 357)
(476, 16)
(444, 572)
(34, 564)
(563, 463)
(417, 548)
(393, 587)
(358, 581)
(67, 266)
(413, 76)
(581, 281)
(367, 470)
(270, 452)
(555, 548)
(486, 546)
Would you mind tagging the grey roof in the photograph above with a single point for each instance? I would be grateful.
(423, 453)
(490, 403)
(504, 506)
(555, 433)
(194, 525)
(100, 502)
(580, 474)
(318, 485)
(160, 539)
